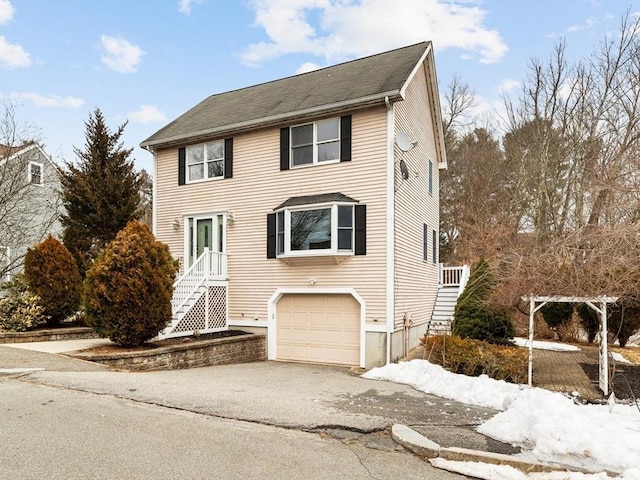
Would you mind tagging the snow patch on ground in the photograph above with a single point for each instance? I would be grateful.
(548, 426)
(504, 472)
(540, 345)
(618, 357)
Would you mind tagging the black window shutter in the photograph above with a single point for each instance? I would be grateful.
(435, 246)
(361, 230)
(271, 235)
(425, 242)
(228, 158)
(182, 165)
(345, 138)
(284, 148)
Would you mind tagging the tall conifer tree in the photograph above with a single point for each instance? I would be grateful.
(101, 191)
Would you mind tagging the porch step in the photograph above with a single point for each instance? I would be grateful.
(443, 310)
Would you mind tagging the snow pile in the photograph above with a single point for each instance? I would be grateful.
(618, 357)
(489, 471)
(548, 426)
(540, 345)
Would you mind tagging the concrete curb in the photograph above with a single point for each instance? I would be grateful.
(427, 449)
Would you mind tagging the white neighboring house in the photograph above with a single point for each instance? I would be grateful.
(30, 203)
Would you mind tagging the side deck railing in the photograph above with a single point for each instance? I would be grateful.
(453, 276)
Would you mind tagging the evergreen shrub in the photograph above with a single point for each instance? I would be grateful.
(476, 357)
(52, 274)
(473, 318)
(589, 320)
(128, 289)
(556, 314)
(623, 320)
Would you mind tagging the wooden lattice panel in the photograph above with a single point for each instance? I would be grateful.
(195, 319)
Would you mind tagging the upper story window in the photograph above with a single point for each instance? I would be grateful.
(430, 177)
(34, 173)
(205, 161)
(334, 227)
(316, 143)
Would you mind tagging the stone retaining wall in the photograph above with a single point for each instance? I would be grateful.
(221, 351)
(49, 335)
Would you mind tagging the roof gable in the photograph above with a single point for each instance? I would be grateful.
(8, 153)
(352, 84)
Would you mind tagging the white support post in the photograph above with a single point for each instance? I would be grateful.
(532, 309)
(207, 274)
(604, 354)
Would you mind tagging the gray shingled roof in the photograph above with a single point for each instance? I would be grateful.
(359, 82)
(313, 199)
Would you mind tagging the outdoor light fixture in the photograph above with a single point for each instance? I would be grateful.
(176, 224)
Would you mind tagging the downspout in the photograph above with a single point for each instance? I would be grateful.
(390, 303)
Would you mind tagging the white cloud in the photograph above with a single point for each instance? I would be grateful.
(13, 56)
(120, 55)
(184, 6)
(307, 67)
(147, 114)
(507, 85)
(589, 23)
(52, 100)
(337, 30)
(6, 12)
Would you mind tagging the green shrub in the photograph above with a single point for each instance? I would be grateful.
(476, 357)
(127, 293)
(473, 318)
(623, 320)
(52, 274)
(19, 307)
(556, 314)
(589, 320)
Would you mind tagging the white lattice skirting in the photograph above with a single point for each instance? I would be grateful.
(202, 319)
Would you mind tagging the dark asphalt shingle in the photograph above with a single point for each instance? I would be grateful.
(361, 81)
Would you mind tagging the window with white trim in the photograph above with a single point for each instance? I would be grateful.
(319, 230)
(316, 142)
(205, 161)
(34, 173)
(430, 177)
(332, 228)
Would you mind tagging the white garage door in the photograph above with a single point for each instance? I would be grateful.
(318, 328)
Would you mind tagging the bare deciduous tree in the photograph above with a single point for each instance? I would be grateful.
(574, 137)
(29, 209)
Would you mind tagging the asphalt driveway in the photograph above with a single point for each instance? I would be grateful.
(315, 398)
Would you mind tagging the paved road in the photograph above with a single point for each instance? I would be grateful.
(59, 434)
(284, 402)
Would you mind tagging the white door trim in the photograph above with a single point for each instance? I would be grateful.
(279, 292)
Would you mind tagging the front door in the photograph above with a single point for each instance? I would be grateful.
(205, 232)
(204, 235)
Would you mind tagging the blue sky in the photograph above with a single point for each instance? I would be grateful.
(148, 61)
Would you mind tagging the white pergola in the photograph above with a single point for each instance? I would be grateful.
(537, 302)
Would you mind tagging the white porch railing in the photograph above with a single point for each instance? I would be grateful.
(208, 266)
(449, 276)
(453, 276)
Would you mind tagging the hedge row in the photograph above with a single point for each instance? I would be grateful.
(476, 357)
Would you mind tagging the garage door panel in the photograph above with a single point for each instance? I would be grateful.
(318, 328)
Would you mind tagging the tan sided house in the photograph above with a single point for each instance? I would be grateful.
(307, 208)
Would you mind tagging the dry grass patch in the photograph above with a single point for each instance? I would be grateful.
(630, 353)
